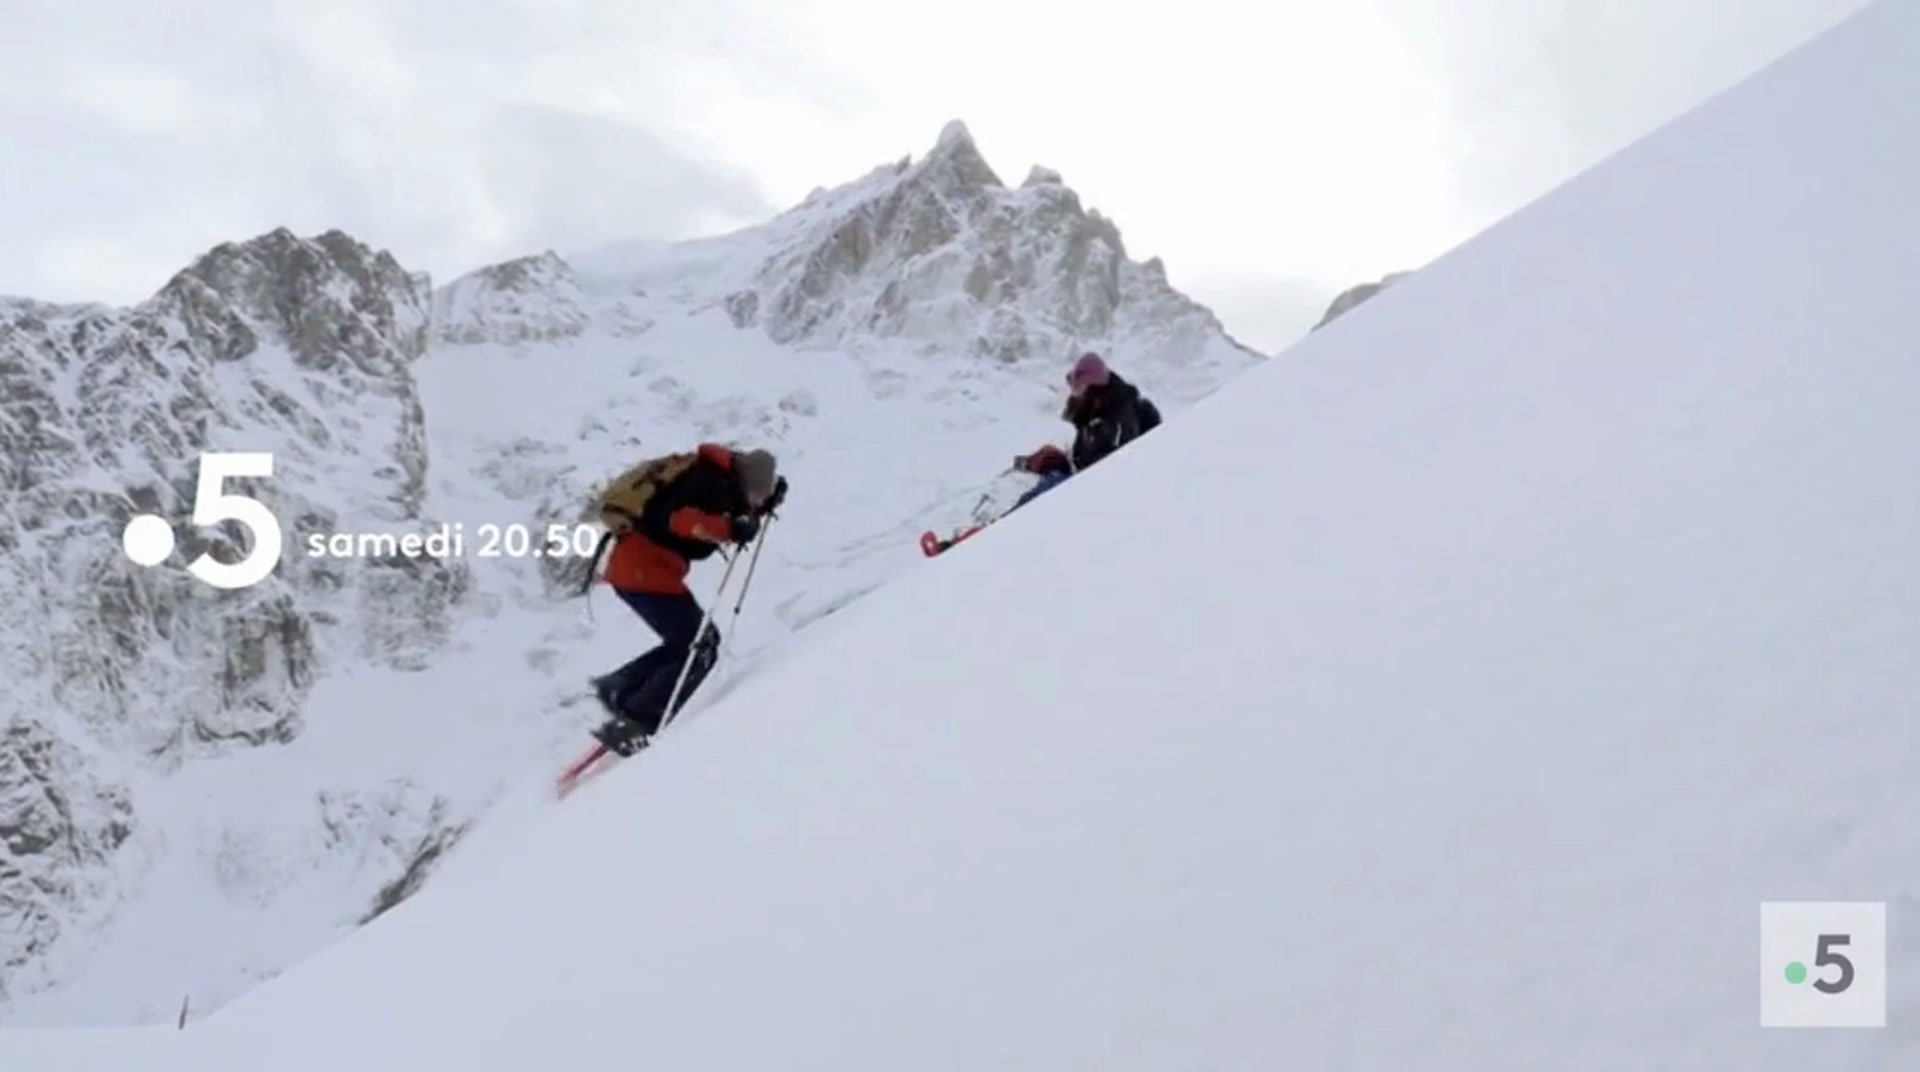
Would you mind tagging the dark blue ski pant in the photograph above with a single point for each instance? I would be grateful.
(641, 687)
(1047, 483)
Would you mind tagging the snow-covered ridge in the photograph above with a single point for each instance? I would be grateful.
(528, 300)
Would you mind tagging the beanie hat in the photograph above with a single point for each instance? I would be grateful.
(1087, 372)
(755, 469)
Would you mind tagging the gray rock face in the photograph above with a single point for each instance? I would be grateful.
(301, 347)
(941, 249)
(1347, 299)
(60, 826)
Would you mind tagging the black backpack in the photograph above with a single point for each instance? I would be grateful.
(1149, 415)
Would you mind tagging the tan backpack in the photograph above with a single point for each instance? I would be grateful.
(623, 500)
(626, 498)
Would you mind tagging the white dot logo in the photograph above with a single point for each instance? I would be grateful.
(148, 540)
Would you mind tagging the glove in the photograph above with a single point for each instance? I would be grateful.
(779, 496)
(743, 529)
(1047, 459)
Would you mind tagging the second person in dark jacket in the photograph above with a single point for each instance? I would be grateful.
(1106, 412)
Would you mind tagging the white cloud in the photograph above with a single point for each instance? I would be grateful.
(132, 139)
(156, 103)
(1303, 145)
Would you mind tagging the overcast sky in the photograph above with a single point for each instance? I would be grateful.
(1271, 152)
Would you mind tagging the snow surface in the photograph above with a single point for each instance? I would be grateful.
(1571, 616)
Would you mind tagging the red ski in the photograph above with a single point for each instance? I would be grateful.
(582, 770)
(931, 544)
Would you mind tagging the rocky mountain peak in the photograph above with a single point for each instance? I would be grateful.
(1041, 176)
(330, 298)
(941, 250)
(534, 274)
(955, 162)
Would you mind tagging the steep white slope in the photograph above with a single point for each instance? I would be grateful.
(1573, 617)
(542, 380)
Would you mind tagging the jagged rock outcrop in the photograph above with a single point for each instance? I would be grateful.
(300, 347)
(941, 250)
(1352, 296)
(60, 825)
(529, 300)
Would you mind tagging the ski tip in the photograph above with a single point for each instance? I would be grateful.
(564, 786)
(576, 772)
(932, 544)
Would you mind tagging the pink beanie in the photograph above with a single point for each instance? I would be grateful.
(1089, 371)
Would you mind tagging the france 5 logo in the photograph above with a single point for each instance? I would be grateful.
(148, 539)
(1823, 964)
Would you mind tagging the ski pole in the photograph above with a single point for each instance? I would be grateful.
(699, 640)
(747, 582)
(752, 563)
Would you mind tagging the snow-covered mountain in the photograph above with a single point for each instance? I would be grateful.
(1574, 621)
(202, 787)
(118, 675)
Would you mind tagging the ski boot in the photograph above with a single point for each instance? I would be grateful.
(622, 736)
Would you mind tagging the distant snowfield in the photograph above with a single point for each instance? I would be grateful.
(1448, 695)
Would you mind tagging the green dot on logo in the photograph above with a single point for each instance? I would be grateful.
(1796, 973)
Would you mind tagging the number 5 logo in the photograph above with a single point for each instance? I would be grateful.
(1823, 964)
(1823, 956)
(213, 505)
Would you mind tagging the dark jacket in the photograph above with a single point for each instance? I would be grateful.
(685, 521)
(693, 515)
(1106, 418)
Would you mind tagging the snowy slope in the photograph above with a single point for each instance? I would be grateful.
(1574, 618)
(545, 375)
